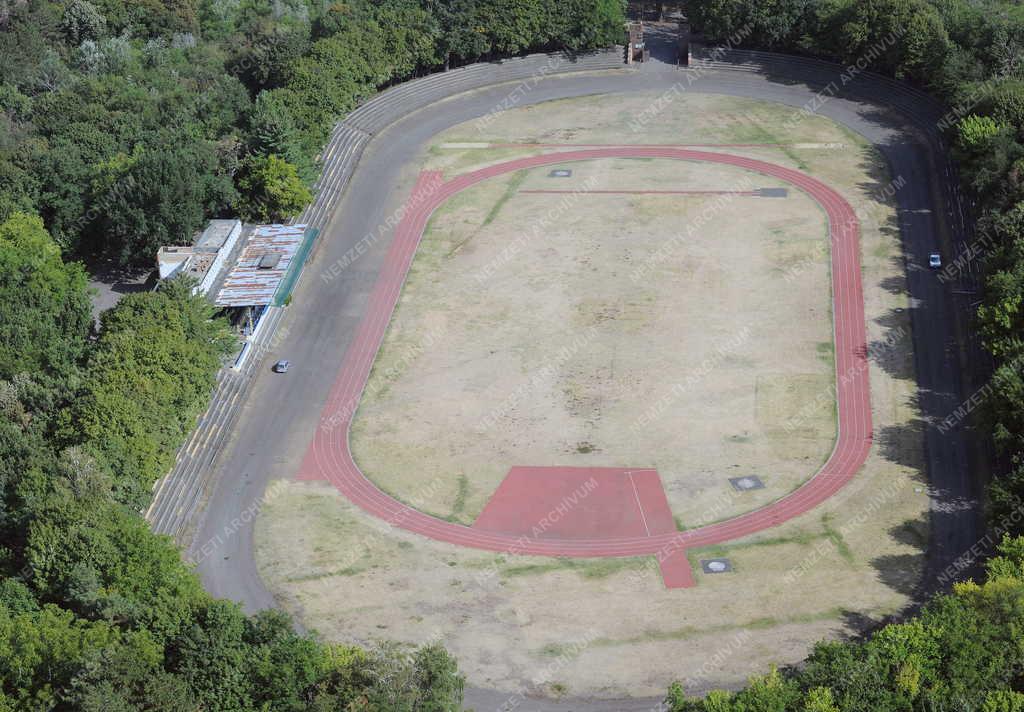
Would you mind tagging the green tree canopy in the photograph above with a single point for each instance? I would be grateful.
(45, 307)
(147, 379)
(272, 188)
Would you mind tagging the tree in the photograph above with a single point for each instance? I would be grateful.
(819, 699)
(82, 21)
(272, 131)
(18, 188)
(41, 651)
(1006, 496)
(45, 314)
(1003, 701)
(411, 35)
(1009, 563)
(286, 667)
(269, 50)
(425, 681)
(1005, 103)
(212, 658)
(1001, 316)
(586, 24)
(438, 678)
(773, 24)
(975, 131)
(124, 680)
(514, 25)
(461, 25)
(104, 564)
(271, 190)
(904, 38)
(161, 198)
(147, 379)
(339, 71)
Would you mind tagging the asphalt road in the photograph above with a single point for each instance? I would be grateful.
(281, 413)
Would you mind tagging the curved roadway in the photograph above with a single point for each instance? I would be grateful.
(280, 415)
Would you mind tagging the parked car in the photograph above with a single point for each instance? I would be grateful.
(282, 366)
(935, 260)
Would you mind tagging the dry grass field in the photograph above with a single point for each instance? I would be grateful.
(594, 346)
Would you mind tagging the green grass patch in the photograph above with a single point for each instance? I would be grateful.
(461, 493)
(836, 537)
(586, 568)
(347, 571)
(756, 132)
(557, 689)
(826, 351)
(554, 650)
(510, 190)
(801, 538)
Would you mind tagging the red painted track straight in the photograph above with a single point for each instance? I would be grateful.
(329, 456)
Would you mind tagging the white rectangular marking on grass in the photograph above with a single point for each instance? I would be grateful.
(466, 145)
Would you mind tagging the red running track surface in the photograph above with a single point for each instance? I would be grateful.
(578, 503)
(329, 456)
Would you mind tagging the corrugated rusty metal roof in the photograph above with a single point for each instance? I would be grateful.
(247, 284)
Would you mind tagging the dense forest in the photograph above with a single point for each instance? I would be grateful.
(124, 125)
(965, 651)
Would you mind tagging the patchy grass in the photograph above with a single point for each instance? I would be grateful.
(586, 568)
(558, 689)
(826, 351)
(510, 190)
(461, 493)
(800, 537)
(836, 537)
(685, 632)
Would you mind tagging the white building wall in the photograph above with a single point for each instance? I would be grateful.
(222, 254)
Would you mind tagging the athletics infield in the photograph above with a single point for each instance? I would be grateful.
(611, 524)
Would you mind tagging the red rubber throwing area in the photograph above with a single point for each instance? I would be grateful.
(329, 456)
(578, 503)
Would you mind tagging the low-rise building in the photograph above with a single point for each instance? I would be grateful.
(243, 269)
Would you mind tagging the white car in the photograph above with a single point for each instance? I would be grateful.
(282, 366)
(935, 260)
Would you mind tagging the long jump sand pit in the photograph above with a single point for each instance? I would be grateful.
(614, 628)
(637, 313)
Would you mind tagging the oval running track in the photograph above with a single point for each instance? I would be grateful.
(329, 456)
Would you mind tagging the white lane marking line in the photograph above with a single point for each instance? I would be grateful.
(640, 506)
